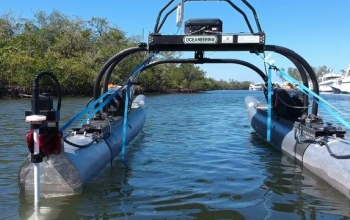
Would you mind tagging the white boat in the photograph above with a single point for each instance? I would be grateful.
(342, 85)
(255, 86)
(311, 85)
(327, 80)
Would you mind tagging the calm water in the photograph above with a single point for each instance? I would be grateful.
(196, 158)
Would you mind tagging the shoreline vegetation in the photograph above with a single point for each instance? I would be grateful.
(75, 50)
(26, 92)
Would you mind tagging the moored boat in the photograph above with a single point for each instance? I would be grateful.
(256, 86)
(342, 86)
(327, 80)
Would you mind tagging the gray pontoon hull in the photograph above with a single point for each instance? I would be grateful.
(312, 156)
(67, 173)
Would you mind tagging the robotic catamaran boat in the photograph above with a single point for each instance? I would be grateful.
(64, 165)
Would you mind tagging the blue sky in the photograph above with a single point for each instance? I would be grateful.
(317, 30)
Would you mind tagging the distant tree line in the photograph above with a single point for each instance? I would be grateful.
(319, 71)
(75, 50)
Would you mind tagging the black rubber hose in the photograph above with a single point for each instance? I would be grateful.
(291, 54)
(336, 156)
(115, 59)
(208, 60)
(36, 90)
(78, 145)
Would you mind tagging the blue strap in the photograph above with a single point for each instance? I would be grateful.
(103, 104)
(269, 104)
(304, 89)
(83, 112)
(308, 91)
(126, 107)
(139, 68)
(334, 115)
(87, 109)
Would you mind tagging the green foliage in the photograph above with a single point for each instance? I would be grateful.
(75, 50)
(319, 71)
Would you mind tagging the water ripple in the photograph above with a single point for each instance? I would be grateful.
(196, 158)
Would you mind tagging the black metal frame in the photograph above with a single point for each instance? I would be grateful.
(159, 42)
(158, 26)
(207, 60)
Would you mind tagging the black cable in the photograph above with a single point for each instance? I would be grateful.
(35, 92)
(110, 149)
(92, 99)
(336, 156)
(296, 134)
(291, 106)
(94, 137)
(78, 145)
(320, 142)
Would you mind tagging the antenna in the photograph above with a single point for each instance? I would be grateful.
(180, 14)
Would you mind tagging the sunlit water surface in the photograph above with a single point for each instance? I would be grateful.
(196, 158)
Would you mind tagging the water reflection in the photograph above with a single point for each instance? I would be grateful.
(50, 208)
(183, 166)
(109, 203)
(295, 189)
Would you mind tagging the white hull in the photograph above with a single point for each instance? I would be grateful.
(68, 172)
(342, 86)
(327, 81)
(341, 89)
(325, 89)
(255, 87)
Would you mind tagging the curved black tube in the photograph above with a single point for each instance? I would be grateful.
(300, 63)
(305, 82)
(108, 73)
(242, 13)
(164, 19)
(291, 54)
(254, 14)
(78, 145)
(115, 59)
(35, 92)
(207, 60)
(228, 1)
(160, 14)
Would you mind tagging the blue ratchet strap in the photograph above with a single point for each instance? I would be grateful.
(135, 72)
(83, 112)
(269, 94)
(305, 90)
(126, 107)
(334, 115)
(308, 91)
(269, 104)
(139, 68)
(103, 104)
